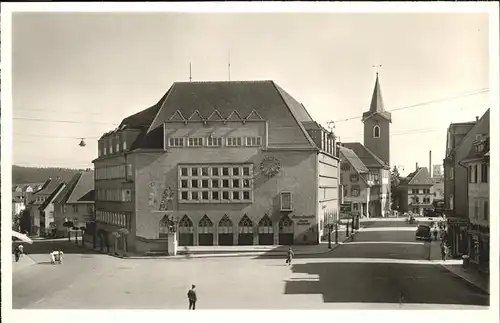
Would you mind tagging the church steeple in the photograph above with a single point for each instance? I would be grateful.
(377, 104)
(377, 123)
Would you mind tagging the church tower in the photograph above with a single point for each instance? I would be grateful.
(377, 125)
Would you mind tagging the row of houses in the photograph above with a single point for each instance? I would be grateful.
(46, 207)
(234, 163)
(466, 189)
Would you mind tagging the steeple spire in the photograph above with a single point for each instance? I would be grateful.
(377, 104)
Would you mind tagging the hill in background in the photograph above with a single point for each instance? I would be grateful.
(22, 175)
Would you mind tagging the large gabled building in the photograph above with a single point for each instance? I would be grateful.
(236, 163)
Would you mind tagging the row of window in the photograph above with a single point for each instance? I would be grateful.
(118, 219)
(425, 200)
(113, 194)
(216, 196)
(417, 191)
(214, 142)
(216, 171)
(478, 212)
(215, 183)
(89, 208)
(111, 146)
(113, 172)
(475, 172)
(327, 143)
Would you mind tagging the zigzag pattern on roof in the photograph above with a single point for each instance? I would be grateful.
(177, 116)
(215, 116)
(254, 115)
(234, 116)
(196, 116)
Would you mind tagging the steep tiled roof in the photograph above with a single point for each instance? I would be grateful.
(51, 197)
(49, 187)
(266, 98)
(354, 160)
(79, 186)
(365, 155)
(473, 154)
(84, 185)
(418, 177)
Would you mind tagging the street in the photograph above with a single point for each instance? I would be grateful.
(378, 269)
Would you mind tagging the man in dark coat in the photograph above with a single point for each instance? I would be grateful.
(289, 256)
(192, 297)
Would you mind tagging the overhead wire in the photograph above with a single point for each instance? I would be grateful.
(465, 94)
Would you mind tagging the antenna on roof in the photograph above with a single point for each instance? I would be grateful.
(190, 78)
(377, 67)
(229, 65)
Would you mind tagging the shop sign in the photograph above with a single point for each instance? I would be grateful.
(303, 216)
(303, 222)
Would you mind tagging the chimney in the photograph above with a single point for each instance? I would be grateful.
(416, 166)
(430, 163)
(477, 118)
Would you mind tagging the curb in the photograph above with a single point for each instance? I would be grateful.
(468, 281)
(244, 254)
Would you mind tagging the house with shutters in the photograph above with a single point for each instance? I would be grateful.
(416, 192)
(374, 153)
(227, 163)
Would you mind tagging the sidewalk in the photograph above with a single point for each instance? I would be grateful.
(471, 275)
(24, 262)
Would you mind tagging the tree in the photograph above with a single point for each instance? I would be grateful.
(395, 192)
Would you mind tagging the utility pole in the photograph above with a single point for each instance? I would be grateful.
(190, 78)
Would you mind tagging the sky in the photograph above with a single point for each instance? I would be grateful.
(77, 75)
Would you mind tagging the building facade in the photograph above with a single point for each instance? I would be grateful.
(416, 192)
(459, 142)
(233, 163)
(38, 204)
(75, 203)
(357, 181)
(478, 199)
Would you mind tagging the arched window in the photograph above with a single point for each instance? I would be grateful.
(376, 132)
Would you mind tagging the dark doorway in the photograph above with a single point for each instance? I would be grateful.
(186, 236)
(186, 239)
(206, 239)
(286, 231)
(266, 239)
(266, 235)
(205, 232)
(226, 239)
(245, 239)
(226, 231)
(245, 233)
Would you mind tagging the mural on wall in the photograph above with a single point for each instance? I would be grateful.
(270, 166)
(166, 199)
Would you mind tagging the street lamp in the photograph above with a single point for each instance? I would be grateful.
(329, 226)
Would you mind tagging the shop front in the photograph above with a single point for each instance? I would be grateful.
(479, 247)
(457, 236)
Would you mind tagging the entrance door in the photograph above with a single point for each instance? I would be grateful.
(186, 236)
(245, 231)
(205, 232)
(286, 232)
(226, 231)
(266, 236)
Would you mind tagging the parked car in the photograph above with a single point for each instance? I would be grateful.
(423, 233)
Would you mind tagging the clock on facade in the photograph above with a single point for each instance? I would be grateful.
(270, 166)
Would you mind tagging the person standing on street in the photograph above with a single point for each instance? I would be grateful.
(289, 256)
(192, 297)
(444, 251)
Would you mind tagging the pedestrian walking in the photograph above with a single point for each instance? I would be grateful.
(289, 256)
(18, 252)
(444, 251)
(435, 233)
(52, 255)
(192, 297)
